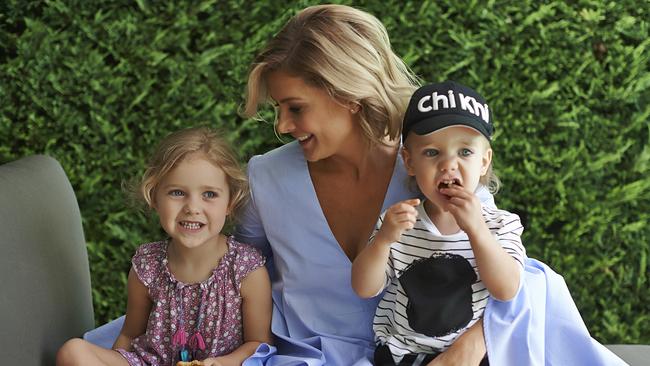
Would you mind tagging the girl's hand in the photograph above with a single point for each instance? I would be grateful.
(212, 361)
(465, 207)
(399, 218)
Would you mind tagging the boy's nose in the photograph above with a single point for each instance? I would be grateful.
(449, 164)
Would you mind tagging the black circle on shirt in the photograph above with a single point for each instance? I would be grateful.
(439, 291)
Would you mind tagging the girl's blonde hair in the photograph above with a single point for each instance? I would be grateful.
(178, 145)
(347, 53)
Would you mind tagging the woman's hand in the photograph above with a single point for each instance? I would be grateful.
(467, 350)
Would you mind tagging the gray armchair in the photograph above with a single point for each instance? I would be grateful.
(46, 295)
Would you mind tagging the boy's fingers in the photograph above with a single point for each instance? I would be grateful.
(412, 201)
(454, 191)
(409, 205)
(409, 202)
(402, 207)
(407, 216)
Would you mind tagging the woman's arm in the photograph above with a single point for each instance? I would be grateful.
(256, 316)
(138, 307)
(468, 350)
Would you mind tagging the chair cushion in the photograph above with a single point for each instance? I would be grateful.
(633, 354)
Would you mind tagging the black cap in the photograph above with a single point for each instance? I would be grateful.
(436, 106)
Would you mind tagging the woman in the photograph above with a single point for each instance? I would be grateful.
(340, 92)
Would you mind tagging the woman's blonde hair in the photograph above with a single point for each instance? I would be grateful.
(180, 144)
(347, 53)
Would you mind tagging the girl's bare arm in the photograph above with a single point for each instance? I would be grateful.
(138, 308)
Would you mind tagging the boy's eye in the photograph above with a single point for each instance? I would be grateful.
(466, 152)
(430, 153)
(176, 193)
(210, 194)
(294, 109)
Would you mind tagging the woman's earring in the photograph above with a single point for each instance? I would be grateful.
(355, 108)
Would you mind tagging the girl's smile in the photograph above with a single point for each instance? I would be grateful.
(191, 226)
(192, 202)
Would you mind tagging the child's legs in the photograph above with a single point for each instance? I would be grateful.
(383, 357)
(79, 352)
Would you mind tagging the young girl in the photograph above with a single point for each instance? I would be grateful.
(442, 258)
(197, 295)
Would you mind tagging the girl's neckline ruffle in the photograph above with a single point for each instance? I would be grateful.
(224, 264)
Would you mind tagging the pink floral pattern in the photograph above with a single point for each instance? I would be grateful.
(221, 327)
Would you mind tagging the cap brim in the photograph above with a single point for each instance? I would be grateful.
(429, 125)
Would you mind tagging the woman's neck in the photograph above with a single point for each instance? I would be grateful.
(360, 159)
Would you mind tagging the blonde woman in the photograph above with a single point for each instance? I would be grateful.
(340, 92)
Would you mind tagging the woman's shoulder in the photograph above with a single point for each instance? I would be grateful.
(279, 155)
(276, 168)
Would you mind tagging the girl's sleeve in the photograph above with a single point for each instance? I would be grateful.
(147, 262)
(249, 227)
(248, 259)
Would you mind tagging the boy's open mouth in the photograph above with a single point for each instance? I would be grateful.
(448, 183)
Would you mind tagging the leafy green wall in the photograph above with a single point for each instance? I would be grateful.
(97, 83)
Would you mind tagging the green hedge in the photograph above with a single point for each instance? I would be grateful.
(97, 83)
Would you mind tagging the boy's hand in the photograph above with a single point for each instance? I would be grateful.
(399, 218)
(465, 207)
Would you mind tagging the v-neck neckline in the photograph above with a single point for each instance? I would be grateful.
(398, 166)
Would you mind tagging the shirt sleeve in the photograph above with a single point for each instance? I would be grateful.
(148, 262)
(507, 229)
(248, 259)
(249, 227)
